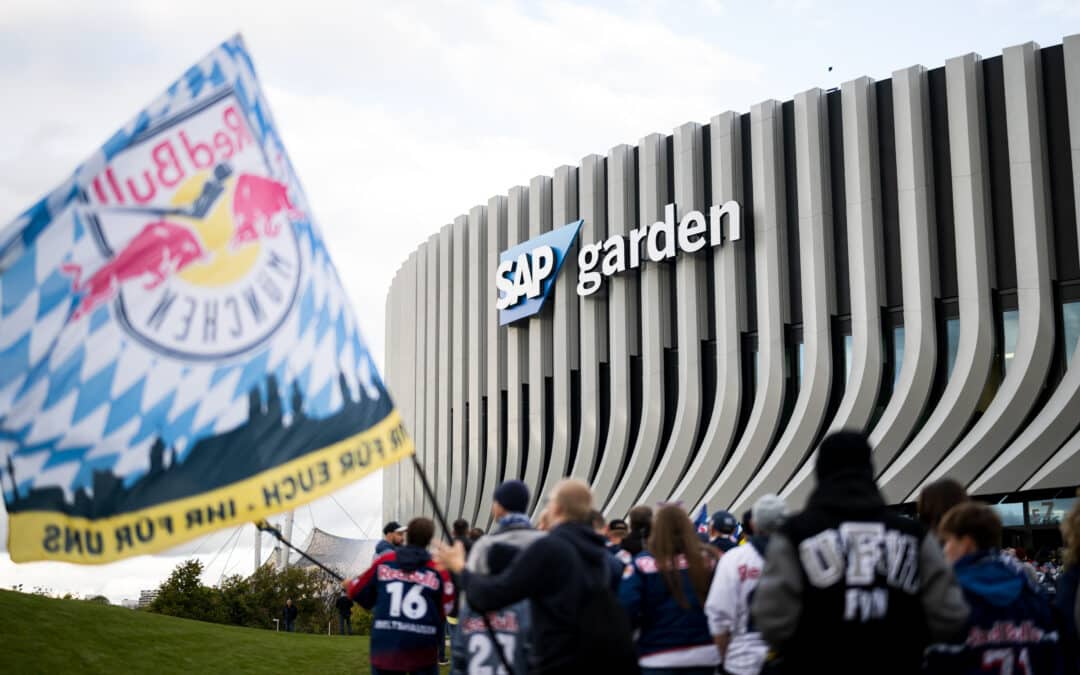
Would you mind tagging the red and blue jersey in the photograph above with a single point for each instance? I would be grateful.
(669, 635)
(1011, 628)
(409, 598)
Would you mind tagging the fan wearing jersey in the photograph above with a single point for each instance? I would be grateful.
(663, 592)
(733, 586)
(410, 598)
(1011, 628)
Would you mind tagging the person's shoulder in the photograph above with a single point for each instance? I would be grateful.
(516, 536)
(552, 542)
(906, 525)
(384, 558)
(737, 554)
(439, 570)
(644, 563)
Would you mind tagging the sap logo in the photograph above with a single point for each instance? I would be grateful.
(527, 272)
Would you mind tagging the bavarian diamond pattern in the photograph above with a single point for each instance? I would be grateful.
(81, 396)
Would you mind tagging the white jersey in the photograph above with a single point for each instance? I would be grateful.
(728, 609)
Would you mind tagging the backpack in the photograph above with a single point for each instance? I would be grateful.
(606, 639)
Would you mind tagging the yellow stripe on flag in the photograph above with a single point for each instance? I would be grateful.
(52, 535)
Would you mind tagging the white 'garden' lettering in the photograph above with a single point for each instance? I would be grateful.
(661, 241)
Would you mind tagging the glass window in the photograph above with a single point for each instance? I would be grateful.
(1012, 515)
(802, 350)
(1070, 315)
(1011, 323)
(898, 352)
(847, 357)
(1049, 511)
(952, 338)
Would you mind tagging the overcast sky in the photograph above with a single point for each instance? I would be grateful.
(400, 116)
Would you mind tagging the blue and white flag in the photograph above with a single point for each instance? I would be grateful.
(702, 520)
(177, 354)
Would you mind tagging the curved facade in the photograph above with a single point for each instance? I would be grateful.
(901, 257)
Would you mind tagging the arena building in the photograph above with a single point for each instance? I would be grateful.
(683, 319)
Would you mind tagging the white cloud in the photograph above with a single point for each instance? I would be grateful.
(397, 117)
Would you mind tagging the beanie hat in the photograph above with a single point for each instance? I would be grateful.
(768, 513)
(513, 495)
(844, 452)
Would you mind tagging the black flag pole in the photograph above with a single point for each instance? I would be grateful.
(267, 527)
(431, 497)
(499, 647)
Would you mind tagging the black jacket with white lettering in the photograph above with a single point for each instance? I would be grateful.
(851, 587)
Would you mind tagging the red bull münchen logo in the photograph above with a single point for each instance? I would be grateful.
(201, 260)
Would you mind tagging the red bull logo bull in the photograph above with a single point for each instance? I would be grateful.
(159, 251)
(201, 256)
(256, 204)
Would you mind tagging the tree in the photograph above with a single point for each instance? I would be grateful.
(184, 595)
(361, 620)
(310, 592)
(99, 600)
(254, 601)
(236, 598)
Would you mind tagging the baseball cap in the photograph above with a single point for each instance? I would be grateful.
(393, 526)
(618, 525)
(723, 522)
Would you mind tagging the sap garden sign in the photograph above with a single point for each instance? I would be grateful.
(527, 271)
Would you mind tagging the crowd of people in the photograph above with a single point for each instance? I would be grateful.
(846, 585)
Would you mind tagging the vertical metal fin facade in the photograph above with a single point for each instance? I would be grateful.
(908, 265)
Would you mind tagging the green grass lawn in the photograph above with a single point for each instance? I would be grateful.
(43, 635)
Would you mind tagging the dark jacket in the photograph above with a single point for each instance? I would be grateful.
(555, 573)
(664, 625)
(1067, 602)
(466, 542)
(851, 587)
(344, 605)
(1011, 624)
(634, 543)
(409, 597)
(290, 612)
(382, 546)
(723, 543)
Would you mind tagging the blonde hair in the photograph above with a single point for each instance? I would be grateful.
(1070, 532)
(574, 499)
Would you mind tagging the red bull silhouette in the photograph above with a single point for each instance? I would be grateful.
(256, 202)
(160, 250)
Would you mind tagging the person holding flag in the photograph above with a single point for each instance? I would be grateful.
(410, 597)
